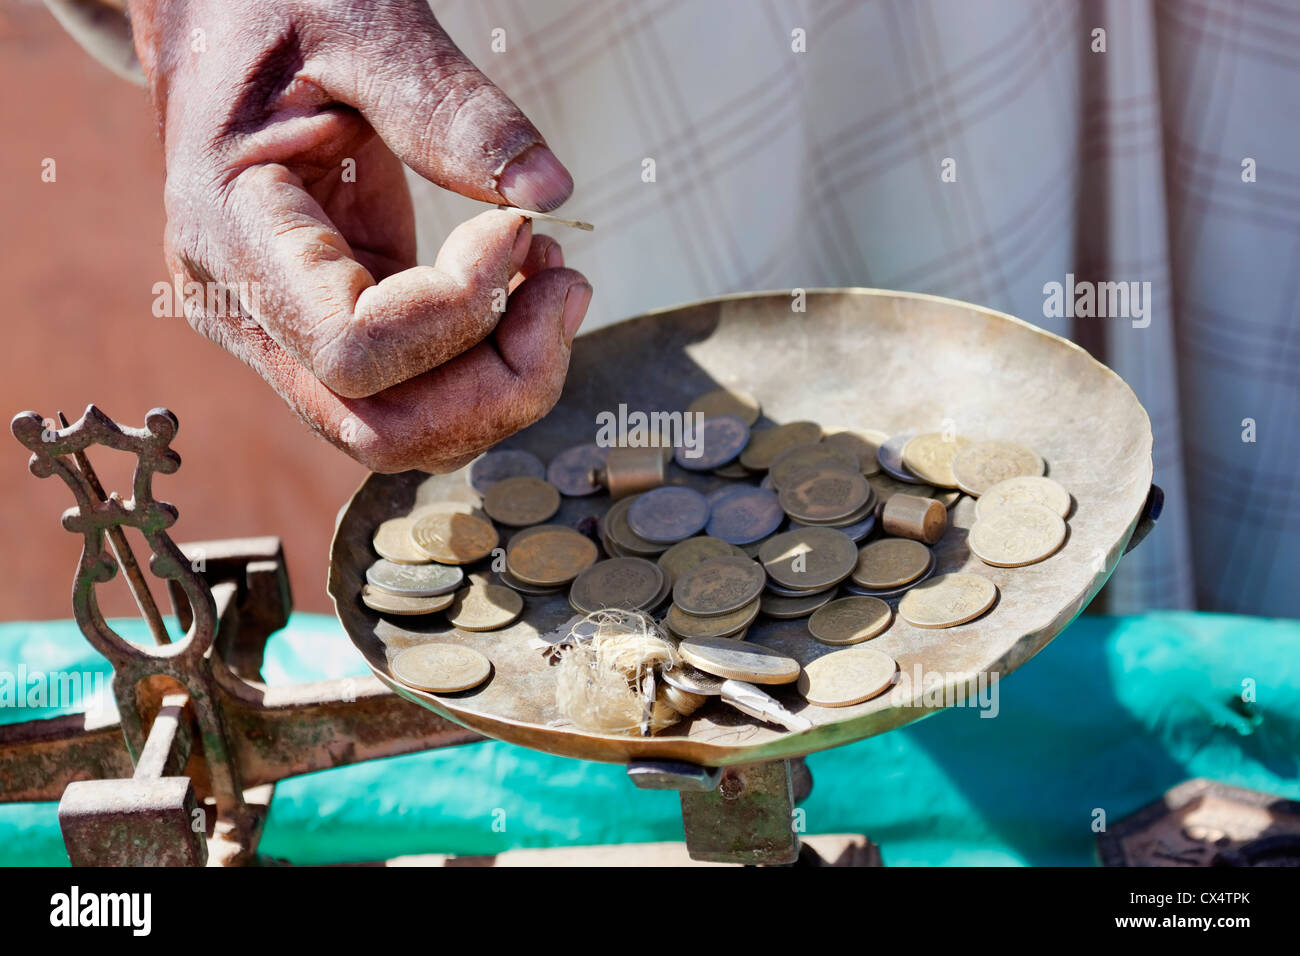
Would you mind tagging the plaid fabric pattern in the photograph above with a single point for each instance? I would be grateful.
(777, 169)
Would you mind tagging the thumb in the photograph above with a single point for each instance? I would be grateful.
(436, 111)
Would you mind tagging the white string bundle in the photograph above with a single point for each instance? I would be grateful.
(606, 679)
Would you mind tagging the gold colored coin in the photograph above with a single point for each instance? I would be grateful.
(847, 677)
(521, 501)
(863, 443)
(719, 586)
(812, 455)
(948, 600)
(1025, 490)
(441, 668)
(549, 555)
(930, 456)
(766, 444)
(724, 401)
(485, 607)
(890, 563)
(736, 660)
(980, 466)
(385, 602)
(693, 552)
(785, 608)
(1016, 535)
(393, 541)
(452, 538)
(808, 559)
(823, 494)
(850, 620)
(686, 625)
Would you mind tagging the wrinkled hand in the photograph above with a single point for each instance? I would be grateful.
(401, 366)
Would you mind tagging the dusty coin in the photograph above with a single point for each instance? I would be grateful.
(571, 470)
(733, 470)
(453, 538)
(441, 668)
(686, 625)
(850, 620)
(890, 456)
(890, 563)
(767, 443)
(864, 443)
(493, 466)
(521, 501)
(718, 442)
(549, 556)
(889, 594)
(718, 586)
(1016, 535)
(823, 494)
(736, 660)
(393, 541)
(725, 401)
(385, 602)
(948, 600)
(812, 455)
(783, 607)
(485, 607)
(808, 559)
(982, 465)
(413, 580)
(692, 552)
(929, 457)
(847, 677)
(669, 514)
(1024, 490)
(622, 536)
(745, 516)
(629, 583)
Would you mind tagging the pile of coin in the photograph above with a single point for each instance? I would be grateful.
(786, 521)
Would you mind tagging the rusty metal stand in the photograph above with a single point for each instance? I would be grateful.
(185, 773)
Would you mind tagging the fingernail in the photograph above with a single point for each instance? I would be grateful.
(575, 308)
(519, 252)
(535, 180)
(555, 257)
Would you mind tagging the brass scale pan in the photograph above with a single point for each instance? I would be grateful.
(857, 358)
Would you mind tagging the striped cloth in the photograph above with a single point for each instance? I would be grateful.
(1160, 158)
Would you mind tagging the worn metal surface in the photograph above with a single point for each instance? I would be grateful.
(749, 818)
(857, 359)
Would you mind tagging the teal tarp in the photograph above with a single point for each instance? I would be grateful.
(1114, 712)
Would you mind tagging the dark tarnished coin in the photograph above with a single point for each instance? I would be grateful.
(621, 535)
(441, 668)
(549, 556)
(766, 443)
(889, 594)
(891, 563)
(720, 440)
(864, 443)
(386, 602)
(512, 582)
(453, 538)
(858, 530)
(668, 515)
(693, 552)
(788, 608)
(745, 516)
(718, 586)
(826, 493)
(733, 470)
(809, 559)
(812, 455)
(725, 401)
(890, 456)
(686, 625)
(886, 486)
(736, 660)
(629, 583)
(493, 466)
(413, 580)
(521, 501)
(571, 470)
(850, 620)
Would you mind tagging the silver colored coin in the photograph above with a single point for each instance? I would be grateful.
(493, 466)
(571, 470)
(668, 514)
(414, 580)
(890, 455)
(719, 441)
(692, 680)
(745, 517)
